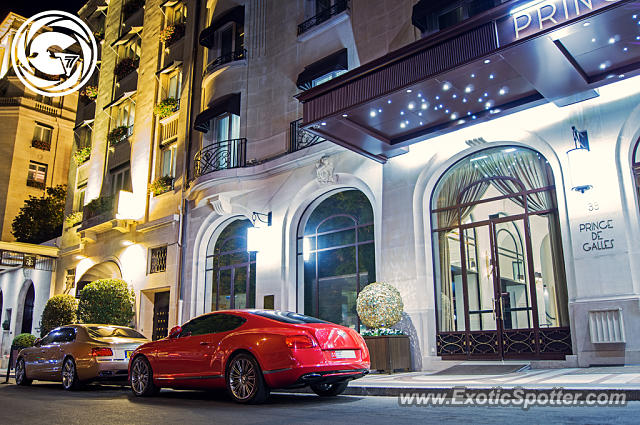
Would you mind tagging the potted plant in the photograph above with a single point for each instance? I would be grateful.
(165, 107)
(6, 325)
(117, 135)
(73, 219)
(125, 67)
(161, 185)
(171, 33)
(89, 92)
(98, 206)
(379, 306)
(81, 155)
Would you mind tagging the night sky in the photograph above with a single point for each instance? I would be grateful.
(28, 8)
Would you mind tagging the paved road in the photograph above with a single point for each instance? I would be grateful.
(45, 403)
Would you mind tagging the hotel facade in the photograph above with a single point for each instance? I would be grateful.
(480, 156)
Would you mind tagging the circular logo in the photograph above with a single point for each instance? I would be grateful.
(54, 53)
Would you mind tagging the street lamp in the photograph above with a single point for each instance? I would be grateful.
(258, 234)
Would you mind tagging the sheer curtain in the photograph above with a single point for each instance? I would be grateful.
(449, 194)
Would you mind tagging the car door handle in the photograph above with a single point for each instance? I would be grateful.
(204, 343)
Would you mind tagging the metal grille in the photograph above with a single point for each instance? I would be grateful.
(19, 259)
(229, 57)
(299, 138)
(158, 261)
(220, 156)
(324, 15)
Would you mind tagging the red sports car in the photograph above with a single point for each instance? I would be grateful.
(250, 352)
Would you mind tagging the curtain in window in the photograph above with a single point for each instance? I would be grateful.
(449, 194)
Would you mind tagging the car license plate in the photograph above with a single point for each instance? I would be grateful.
(127, 353)
(344, 354)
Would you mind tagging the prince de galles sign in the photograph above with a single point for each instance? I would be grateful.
(535, 16)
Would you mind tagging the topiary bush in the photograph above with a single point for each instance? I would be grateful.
(106, 301)
(379, 305)
(23, 341)
(60, 310)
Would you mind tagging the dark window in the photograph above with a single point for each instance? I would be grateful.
(211, 323)
(288, 317)
(110, 332)
(65, 335)
(27, 312)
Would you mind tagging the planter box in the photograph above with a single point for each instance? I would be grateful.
(389, 352)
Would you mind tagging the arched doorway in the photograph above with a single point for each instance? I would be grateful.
(230, 270)
(500, 285)
(104, 270)
(27, 311)
(336, 255)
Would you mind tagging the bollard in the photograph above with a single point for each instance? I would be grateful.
(6, 381)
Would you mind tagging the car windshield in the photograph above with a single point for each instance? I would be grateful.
(288, 317)
(108, 332)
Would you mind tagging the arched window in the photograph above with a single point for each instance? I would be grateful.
(336, 256)
(230, 270)
(499, 282)
(27, 312)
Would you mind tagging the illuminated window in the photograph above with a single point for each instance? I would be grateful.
(37, 175)
(176, 14)
(42, 133)
(120, 179)
(168, 160)
(123, 114)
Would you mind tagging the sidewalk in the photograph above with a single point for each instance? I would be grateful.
(615, 378)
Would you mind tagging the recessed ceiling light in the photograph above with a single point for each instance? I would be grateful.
(464, 100)
(469, 88)
(379, 111)
(486, 94)
(446, 111)
(409, 90)
(491, 76)
(419, 94)
(454, 96)
(420, 113)
(446, 86)
(372, 114)
(324, 123)
(411, 105)
(503, 91)
(625, 49)
(389, 101)
(487, 61)
(344, 115)
(454, 116)
(421, 123)
(424, 106)
(437, 97)
(586, 24)
(612, 40)
(593, 40)
(402, 125)
(603, 66)
(473, 75)
(401, 112)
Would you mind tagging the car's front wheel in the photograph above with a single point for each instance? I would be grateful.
(70, 379)
(142, 378)
(245, 382)
(21, 373)
(329, 390)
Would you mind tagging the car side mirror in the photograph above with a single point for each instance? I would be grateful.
(175, 332)
(36, 343)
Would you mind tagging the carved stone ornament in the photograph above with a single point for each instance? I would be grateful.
(324, 171)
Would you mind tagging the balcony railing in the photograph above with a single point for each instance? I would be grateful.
(98, 211)
(41, 144)
(224, 59)
(168, 128)
(220, 156)
(30, 103)
(299, 138)
(324, 15)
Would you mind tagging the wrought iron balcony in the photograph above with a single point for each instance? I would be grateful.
(299, 138)
(224, 59)
(324, 15)
(220, 156)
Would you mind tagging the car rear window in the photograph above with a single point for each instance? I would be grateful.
(288, 317)
(109, 332)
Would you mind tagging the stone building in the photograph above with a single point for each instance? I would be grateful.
(477, 155)
(36, 136)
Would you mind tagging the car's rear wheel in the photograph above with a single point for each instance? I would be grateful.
(142, 378)
(21, 374)
(329, 390)
(70, 379)
(245, 382)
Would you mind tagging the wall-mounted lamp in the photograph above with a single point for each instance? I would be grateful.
(581, 172)
(258, 235)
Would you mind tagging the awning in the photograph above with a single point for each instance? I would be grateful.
(229, 103)
(493, 64)
(128, 36)
(169, 3)
(126, 95)
(173, 65)
(334, 62)
(207, 36)
(83, 124)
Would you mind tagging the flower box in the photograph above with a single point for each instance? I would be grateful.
(389, 353)
(171, 33)
(166, 107)
(41, 144)
(125, 67)
(117, 135)
(161, 185)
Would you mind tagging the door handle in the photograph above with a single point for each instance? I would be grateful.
(204, 343)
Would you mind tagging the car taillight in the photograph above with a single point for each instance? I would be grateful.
(101, 352)
(300, 341)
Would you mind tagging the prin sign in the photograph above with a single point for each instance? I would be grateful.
(536, 16)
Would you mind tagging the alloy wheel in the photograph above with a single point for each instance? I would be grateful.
(139, 377)
(242, 378)
(20, 375)
(68, 374)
